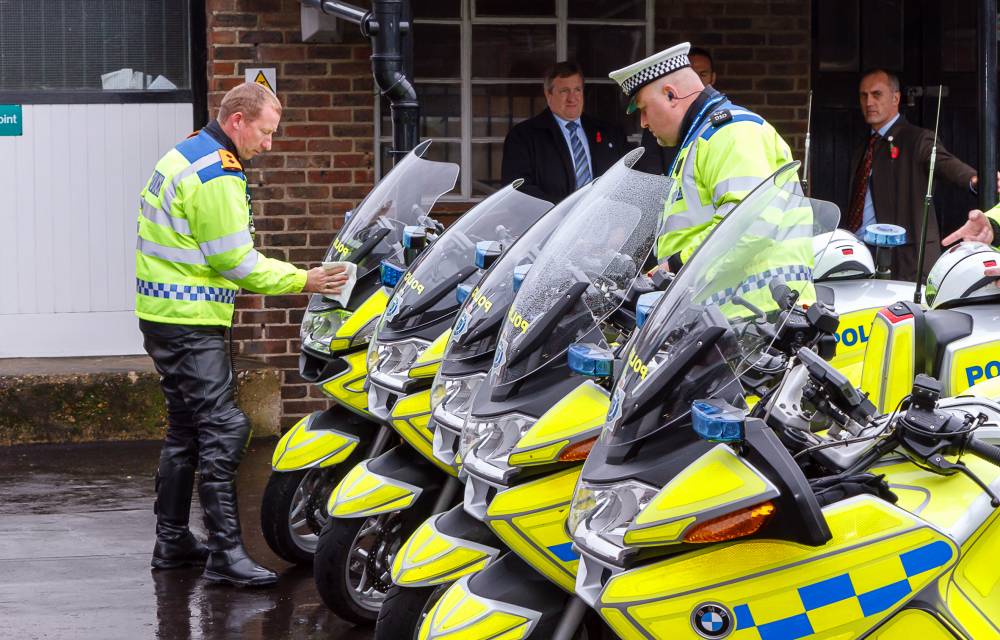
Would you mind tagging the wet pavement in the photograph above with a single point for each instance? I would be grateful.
(76, 532)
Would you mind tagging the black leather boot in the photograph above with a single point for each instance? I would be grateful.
(228, 561)
(175, 545)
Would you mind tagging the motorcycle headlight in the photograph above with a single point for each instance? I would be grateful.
(451, 398)
(319, 328)
(394, 359)
(486, 444)
(365, 333)
(600, 515)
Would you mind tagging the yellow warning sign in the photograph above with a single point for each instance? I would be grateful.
(264, 77)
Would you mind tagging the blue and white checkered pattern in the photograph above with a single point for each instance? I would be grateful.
(185, 292)
(761, 280)
(831, 602)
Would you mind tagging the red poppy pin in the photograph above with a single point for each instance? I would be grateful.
(893, 149)
(598, 137)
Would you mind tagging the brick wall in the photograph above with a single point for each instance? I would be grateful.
(320, 165)
(322, 159)
(761, 50)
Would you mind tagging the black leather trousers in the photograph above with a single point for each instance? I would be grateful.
(205, 430)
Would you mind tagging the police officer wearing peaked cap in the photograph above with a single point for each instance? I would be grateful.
(725, 150)
(194, 252)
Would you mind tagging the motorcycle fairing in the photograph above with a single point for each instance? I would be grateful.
(428, 362)
(410, 416)
(887, 373)
(370, 488)
(879, 556)
(312, 442)
(441, 551)
(578, 416)
(347, 386)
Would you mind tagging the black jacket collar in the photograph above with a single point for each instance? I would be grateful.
(214, 129)
(706, 94)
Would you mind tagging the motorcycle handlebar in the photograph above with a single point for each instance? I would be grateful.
(984, 450)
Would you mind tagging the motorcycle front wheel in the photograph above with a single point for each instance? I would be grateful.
(293, 511)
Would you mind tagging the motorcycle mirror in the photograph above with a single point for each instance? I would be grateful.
(487, 252)
(590, 360)
(717, 421)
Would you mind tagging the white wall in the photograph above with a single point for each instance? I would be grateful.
(69, 198)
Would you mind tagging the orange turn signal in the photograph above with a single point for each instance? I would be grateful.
(737, 524)
(578, 451)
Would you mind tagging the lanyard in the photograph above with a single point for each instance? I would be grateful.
(695, 126)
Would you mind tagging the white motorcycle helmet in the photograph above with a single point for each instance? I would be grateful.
(958, 276)
(839, 255)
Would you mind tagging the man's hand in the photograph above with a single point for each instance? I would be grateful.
(320, 280)
(977, 229)
(975, 183)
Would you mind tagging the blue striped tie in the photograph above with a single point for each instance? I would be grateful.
(579, 156)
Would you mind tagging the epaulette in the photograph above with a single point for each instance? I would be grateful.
(229, 161)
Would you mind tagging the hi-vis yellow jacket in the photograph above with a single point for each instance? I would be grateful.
(994, 216)
(194, 247)
(727, 152)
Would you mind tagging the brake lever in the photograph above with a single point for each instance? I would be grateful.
(940, 462)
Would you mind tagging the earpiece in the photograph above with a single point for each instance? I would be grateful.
(670, 96)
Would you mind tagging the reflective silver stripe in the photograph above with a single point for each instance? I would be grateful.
(740, 183)
(777, 232)
(244, 268)
(226, 243)
(201, 163)
(172, 254)
(161, 217)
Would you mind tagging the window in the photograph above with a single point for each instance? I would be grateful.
(478, 67)
(94, 45)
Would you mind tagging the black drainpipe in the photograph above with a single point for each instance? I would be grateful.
(388, 27)
(987, 72)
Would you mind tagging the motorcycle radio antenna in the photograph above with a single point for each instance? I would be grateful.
(805, 163)
(927, 202)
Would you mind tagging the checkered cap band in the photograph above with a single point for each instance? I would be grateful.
(646, 75)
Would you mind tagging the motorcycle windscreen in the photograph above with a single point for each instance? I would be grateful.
(427, 291)
(400, 199)
(584, 272)
(725, 286)
(478, 323)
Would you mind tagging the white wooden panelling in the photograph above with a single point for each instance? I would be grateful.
(69, 197)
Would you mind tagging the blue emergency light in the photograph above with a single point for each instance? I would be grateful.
(885, 235)
(462, 292)
(590, 360)
(414, 236)
(520, 273)
(487, 252)
(645, 306)
(390, 274)
(717, 421)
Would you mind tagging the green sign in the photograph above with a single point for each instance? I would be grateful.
(10, 120)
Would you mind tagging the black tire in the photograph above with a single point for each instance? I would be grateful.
(404, 610)
(330, 568)
(297, 547)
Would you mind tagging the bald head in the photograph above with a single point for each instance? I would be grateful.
(663, 102)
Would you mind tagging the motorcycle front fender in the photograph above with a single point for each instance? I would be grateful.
(321, 439)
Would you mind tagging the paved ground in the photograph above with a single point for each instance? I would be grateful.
(76, 530)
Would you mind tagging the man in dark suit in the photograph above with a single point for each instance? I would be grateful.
(890, 171)
(561, 149)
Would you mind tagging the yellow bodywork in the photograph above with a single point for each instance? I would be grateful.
(579, 415)
(717, 483)
(364, 493)
(428, 362)
(981, 358)
(987, 389)
(879, 556)
(409, 417)
(913, 624)
(887, 373)
(348, 386)
(371, 308)
(531, 519)
(852, 338)
(462, 615)
(429, 557)
(302, 447)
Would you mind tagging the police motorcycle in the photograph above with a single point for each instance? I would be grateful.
(703, 514)
(382, 498)
(956, 339)
(315, 453)
(532, 424)
(452, 544)
(847, 278)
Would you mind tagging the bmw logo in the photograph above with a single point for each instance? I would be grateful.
(712, 620)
